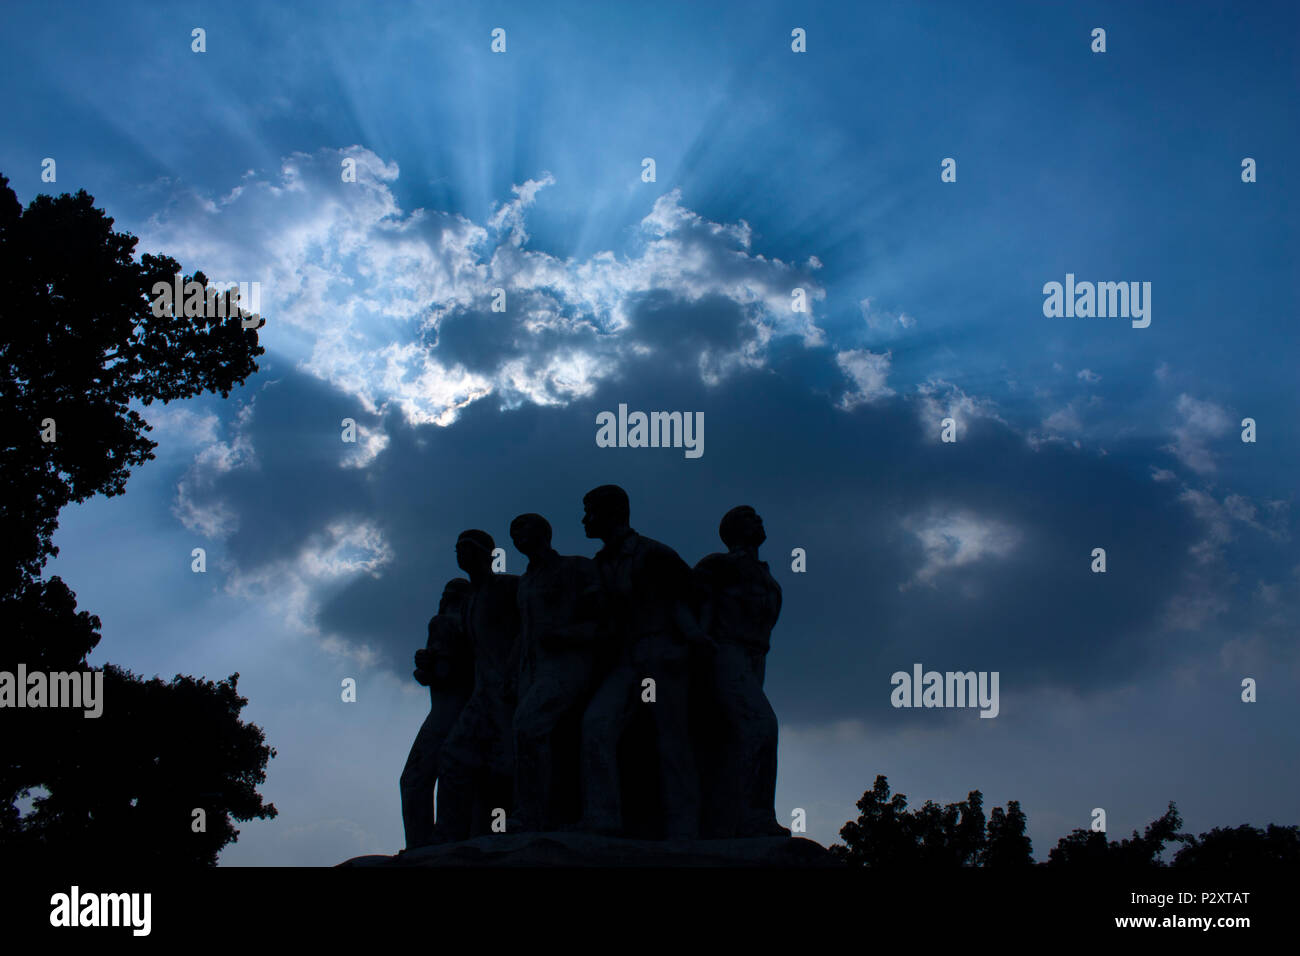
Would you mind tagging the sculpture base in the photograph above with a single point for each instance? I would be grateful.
(592, 850)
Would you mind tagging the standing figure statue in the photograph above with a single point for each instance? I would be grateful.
(740, 604)
(559, 597)
(648, 590)
(478, 760)
(446, 666)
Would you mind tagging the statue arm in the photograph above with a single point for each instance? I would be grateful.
(423, 655)
(704, 580)
(686, 595)
(514, 662)
(689, 625)
(588, 611)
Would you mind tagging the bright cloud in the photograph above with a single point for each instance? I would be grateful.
(868, 371)
(938, 400)
(194, 506)
(957, 539)
(359, 292)
(295, 586)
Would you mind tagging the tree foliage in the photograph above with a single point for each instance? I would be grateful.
(161, 750)
(1008, 846)
(80, 345)
(1225, 848)
(887, 834)
(1088, 848)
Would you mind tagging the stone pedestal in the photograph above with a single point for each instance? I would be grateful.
(591, 850)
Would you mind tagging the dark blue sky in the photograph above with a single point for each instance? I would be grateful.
(775, 170)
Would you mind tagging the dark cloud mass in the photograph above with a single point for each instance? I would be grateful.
(882, 509)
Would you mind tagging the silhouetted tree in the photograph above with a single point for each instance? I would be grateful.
(951, 835)
(127, 786)
(79, 344)
(1088, 848)
(882, 834)
(970, 840)
(886, 834)
(1241, 847)
(1007, 844)
(1081, 848)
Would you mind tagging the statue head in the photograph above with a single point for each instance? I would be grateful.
(531, 534)
(474, 551)
(453, 595)
(606, 511)
(741, 527)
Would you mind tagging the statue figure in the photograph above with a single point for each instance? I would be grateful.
(638, 682)
(740, 604)
(558, 614)
(446, 667)
(648, 590)
(478, 759)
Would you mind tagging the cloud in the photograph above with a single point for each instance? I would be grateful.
(1272, 519)
(1214, 517)
(1066, 424)
(811, 469)
(1089, 376)
(195, 505)
(509, 216)
(691, 317)
(397, 309)
(1064, 419)
(938, 399)
(958, 539)
(1217, 518)
(868, 371)
(294, 587)
(1198, 423)
(885, 322)
(1208, 588)
(179, 425)
(368, 446)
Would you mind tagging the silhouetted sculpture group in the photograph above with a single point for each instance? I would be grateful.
(620, 695)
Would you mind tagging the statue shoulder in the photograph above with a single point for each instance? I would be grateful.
(658, 553)
(443, 630)
(578, 567)
(712, 565)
